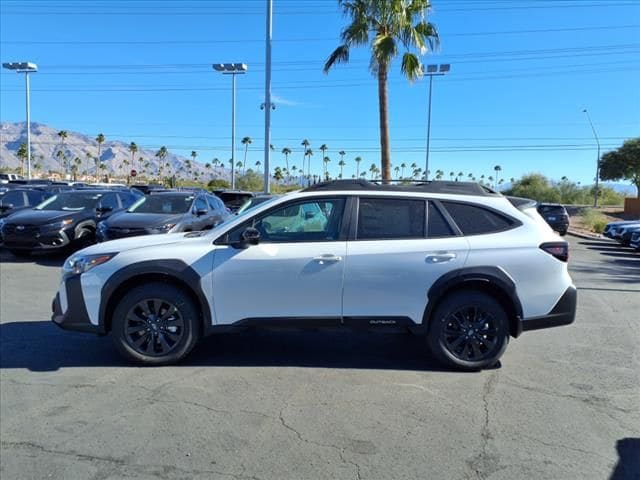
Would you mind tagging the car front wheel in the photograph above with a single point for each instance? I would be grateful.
(155, 324)
(469, 330)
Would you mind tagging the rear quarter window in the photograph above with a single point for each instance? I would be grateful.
(476, 220)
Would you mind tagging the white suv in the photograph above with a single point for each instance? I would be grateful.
(464, 266)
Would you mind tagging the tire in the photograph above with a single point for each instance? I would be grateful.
(20, 253)
(449, 326)
(85, 239)
(142, 337)
(563, 233)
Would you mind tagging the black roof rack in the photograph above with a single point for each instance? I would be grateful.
(458, 188)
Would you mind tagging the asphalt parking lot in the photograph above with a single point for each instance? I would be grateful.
(565, 402)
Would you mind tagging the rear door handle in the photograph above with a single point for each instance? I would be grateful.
(440, 257)
(327, 258)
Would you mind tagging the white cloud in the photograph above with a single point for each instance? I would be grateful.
(283, 101)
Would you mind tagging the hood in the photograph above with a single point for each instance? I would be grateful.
(623, 222)
(42, 217)
(131, 243)
(141, 220)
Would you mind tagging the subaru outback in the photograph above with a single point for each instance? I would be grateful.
(456, 263)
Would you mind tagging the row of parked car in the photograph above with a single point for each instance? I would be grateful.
(625, 232)
(48, 217)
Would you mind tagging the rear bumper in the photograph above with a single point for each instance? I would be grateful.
(563, 313)
(75, 317)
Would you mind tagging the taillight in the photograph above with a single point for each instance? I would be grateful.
(560, 250)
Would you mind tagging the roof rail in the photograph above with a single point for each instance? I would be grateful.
(459, 188)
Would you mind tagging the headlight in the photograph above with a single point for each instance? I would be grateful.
(161, 229)
(61, 224)
(77, 264)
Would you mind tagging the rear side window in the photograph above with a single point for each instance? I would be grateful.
(390, 218)
(437, 225)
(201, 204)
(214, 203)
(35, 197)
(475, 220)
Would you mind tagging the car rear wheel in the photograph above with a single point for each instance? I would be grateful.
(469, 330)
(155, 324)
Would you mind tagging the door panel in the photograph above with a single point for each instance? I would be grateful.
(277, 280)
(392, 277)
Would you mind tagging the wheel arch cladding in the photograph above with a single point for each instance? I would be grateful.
(490, 280)
(174, 272)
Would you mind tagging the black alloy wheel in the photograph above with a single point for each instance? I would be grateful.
(154, 327)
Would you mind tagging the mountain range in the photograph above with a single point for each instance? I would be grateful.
(114, 154)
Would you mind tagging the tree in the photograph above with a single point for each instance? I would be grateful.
(161, 155)
(341, 164)
(308, 153)
(258, 164)
(286, 151)
(623, 163)
(323, 149)
(358, 160)
(22, 155)
(305, 146)
(326, 161)
(451, 175)
(497, 169)
(391, 23)
(342, 153)
(63, 136)
(246, 141)
(133, 148)
(459, 176)
(372, 170)
(100, 140)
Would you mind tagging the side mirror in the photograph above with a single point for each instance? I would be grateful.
(201, 212)
(6, 206)
(309, 215)
(104, 209)
(251, 236)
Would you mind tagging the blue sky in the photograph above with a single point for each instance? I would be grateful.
(521, 73)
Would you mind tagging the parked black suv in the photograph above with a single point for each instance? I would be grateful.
(67, 219)
(165, 212)
(555, 215)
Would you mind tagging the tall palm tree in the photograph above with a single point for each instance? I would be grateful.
(326, 161)
(246, 141)
(391, 23)
(342, 153)
(161, 154)
(459, 176)
(22, 155)
(286, 151)
(305, 146)
(133, 148)
(100, 140)
(402, 167)
(372, 170)
(323, 149)
(497, 169)
(308, 153)
(63, 134)
(358, 160)
(397, 170)
(341, 164)
(258, 164)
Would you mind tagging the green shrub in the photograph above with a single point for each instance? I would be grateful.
(594, 220)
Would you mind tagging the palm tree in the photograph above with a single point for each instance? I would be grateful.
(358, 160)
(161, 155)
(460, 175)
(63, 136)
(258, 163)
(308, 153)
(305, 145)
(323, 149)
(372, 170)
(100, 140)
(22, 155)
(286, 151)
(342, 153)
(402, 167)
(451, 175)
(246, 141)
(133, 148)
(215, 162)
(397, 170)
(470, 176)
(391, 22)
(326, 161)
(341, 164)
(497, 169)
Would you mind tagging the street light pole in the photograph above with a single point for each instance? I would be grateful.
(26, 68)
(232, 69)
(593, 129)
(267, 98)
(432, 70)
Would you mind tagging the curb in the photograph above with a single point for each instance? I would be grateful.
(594, 236)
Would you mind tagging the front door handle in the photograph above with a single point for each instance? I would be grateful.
(440, 257)
(327, 258)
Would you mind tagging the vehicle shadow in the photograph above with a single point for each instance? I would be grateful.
(628, 466)
(41, 346)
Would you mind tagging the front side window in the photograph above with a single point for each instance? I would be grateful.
(311, 221)
(390, 218)
(200, 204)
(476, 220)
(109, 201)
(15, 199)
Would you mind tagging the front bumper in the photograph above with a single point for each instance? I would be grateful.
(35, 238)
(75, 317)
(563, 313)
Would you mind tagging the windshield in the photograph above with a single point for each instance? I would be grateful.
(166, 204)
(71, 201)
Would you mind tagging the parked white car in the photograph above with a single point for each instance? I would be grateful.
(463, 266)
